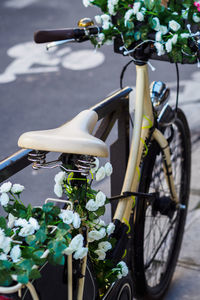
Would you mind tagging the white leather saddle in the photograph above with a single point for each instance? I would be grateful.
(74, 136)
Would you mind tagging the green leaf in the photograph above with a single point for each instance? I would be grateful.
(55, 210)
(5, 278)
(31, 240)
(7, 264)
(29, 211)
(3, 223)
(57, 246)
(63, 226)
(100, 211)
(56, 259)
(41, 235)
(23, 278)
(26, 264)
(34, 274)
(47, 207)
(38, 253)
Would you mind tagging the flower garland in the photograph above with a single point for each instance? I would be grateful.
(134, 20)
(31, 236)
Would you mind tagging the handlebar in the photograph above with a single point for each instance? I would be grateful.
(79, 34)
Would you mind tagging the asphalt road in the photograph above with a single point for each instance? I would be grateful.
(41, 90)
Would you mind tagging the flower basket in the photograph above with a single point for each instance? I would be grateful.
(170, 26)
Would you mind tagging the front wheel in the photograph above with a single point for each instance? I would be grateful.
(158, 227)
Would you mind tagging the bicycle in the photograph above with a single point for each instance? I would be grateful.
(152, 204)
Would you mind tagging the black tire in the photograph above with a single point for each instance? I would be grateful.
(153, 265)
(121, 290)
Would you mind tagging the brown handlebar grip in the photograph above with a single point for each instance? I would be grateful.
(46, 36)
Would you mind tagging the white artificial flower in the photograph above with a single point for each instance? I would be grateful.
(17, 188)
(77, 242)
(4, 199)
(106, 25)
(101, 173)
(168, 46)
(119, 275)
(110, 228)
(27, 230)
(136, 7)
(143, 9)
(185, 35)
(58, 190)
(91, 205)
(175, 26)
(128, 15)
(105, 246)
(15, 253)
(5, 187)
(114, 2)
(98, 223)
(80, 253)
(102, 231)
(100, 199)
(11, 220)
(140, 16)
(94, 235)
(124, 267)
(98, 19)
(21, 222)
(160, 48)
(174, 39)
(101, 254)
(3, 256)
(76, 220)
(2, 236)
(108, 169)
(111, 8)
(34, 223)
(67, 216)
(87, 3)
(156, 24)
(163, 29)
(158, 36)
(195, 18)
(105, 18)
(60, 177)
(68, 251)
(6, 245)
(101, 37)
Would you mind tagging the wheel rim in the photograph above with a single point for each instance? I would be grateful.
(159, 229)
(125, 292)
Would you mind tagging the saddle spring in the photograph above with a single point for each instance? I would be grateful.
(38, 158)
(83, 163)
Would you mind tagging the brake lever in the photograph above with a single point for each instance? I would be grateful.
(58, 43)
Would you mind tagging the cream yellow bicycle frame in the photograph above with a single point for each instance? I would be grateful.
(143, 122)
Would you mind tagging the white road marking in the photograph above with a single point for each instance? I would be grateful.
(83, 59)
(31, 58)
(19, 3)
(27, 55)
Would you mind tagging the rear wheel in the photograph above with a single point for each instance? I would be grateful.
(159, 225)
